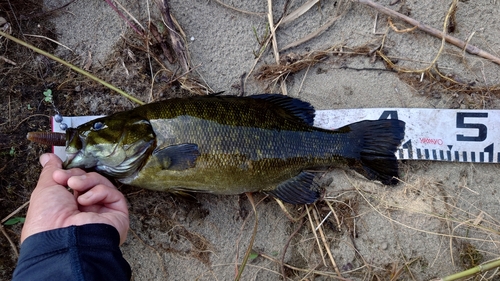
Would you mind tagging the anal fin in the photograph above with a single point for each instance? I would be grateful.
(300, 189)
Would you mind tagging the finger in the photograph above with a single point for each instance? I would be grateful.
(103, 195)
(61, 176)
(50, 158)
(82, 183)
(50, 163)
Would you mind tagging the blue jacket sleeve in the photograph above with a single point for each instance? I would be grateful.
(86, 252)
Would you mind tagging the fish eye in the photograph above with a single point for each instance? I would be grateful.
(97, 126)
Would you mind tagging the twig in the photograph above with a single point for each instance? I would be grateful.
(432, 31)
(51, 40)
(314, 33)
(329, 252)
(15, 212)
(44, 14)
(239, 10)
(274, 41)
(273, 31)
(299, 12)
(472, 271)
(252, 239)
(339, 226)
(77, 69)
(315, 236)
(286, 247)
(409, 29)
(8, 61)
(31, 116)
(176, 39)
(323, 273)
(121, 15)
(287, 213)
(12, 245)
(130, 15)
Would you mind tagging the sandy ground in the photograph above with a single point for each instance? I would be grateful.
(442, 219)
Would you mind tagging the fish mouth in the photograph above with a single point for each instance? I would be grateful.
(79, 160)
(74, 149)
(69, 159)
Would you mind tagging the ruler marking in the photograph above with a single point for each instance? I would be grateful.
(441, 155)
(434, 154)
(419, 154)
(464, 156)
(448, 155)
(473, 156)
(400, 153)
(408, 146)
(426, 151)
(489, 149)
(457, 158)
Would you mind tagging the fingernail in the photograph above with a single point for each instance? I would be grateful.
(44, 158)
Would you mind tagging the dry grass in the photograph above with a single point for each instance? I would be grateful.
(422, 205)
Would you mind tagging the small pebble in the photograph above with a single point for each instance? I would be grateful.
(384, 246)
(348, 266)
(2, 21)
(63, 126)
(192, 38)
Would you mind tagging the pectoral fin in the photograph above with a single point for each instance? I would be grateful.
(177, 157)
(300, 189)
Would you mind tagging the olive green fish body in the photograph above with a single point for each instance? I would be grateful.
(235, 160)
(231, 145)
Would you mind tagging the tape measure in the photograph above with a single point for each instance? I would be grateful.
(431, 134)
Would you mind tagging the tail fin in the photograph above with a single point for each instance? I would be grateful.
(379, 142)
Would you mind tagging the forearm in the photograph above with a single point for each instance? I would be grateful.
(87, 252)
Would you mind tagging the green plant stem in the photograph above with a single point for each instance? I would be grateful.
(472, 271)
(75, 68)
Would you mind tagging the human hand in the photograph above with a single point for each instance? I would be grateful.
(94, 200)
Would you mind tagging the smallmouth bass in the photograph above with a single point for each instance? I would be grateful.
(231, 145)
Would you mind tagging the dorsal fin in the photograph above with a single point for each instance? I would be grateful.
(294, 107)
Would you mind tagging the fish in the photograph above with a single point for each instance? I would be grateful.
(232, 145)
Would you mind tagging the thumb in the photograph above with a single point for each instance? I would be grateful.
(44, 158)
(50, 163)
(50, 158)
